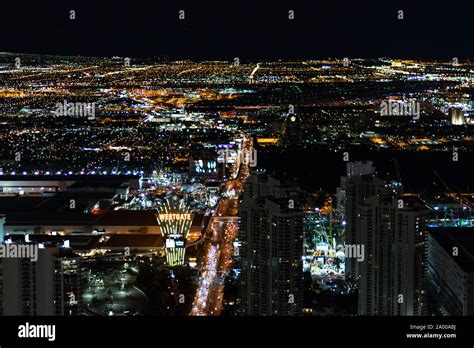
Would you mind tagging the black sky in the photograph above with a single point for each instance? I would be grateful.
(245, 29)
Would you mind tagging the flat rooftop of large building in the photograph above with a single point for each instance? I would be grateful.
(47, 205)
(89, 242)
(97, 184)
(72, 218)
(134, 241)
(140, 218)
(55, 211)
(128, 218)
(76, 242)
(84, 178)
(460, 237)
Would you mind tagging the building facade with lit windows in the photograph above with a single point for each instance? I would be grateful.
(52, 285)
(355, 188)
(451, 269)
(392, 278)
(271, 239)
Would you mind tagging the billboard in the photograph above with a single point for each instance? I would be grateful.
(204, 168)
(171, 243)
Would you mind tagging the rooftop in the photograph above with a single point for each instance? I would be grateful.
(134, 241)
(460, 237)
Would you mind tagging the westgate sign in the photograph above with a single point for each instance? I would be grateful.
(175, 221)
(174, 217)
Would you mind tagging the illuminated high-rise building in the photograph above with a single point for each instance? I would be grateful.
(392, 273)
(360, 168)
(451, 269)
(271, 237)
(359, 185)
(52, 285)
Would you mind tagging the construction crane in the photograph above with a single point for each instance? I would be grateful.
(449, 190)
(457, 195)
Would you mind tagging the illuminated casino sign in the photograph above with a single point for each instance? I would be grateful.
(175, 221)
(173, 217)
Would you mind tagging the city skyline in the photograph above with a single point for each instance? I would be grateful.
(160, 188)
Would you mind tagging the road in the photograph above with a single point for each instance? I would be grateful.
(218, 247)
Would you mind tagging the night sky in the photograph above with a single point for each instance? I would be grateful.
(246, 29)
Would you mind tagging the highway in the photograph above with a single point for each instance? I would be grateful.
(218, 247)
